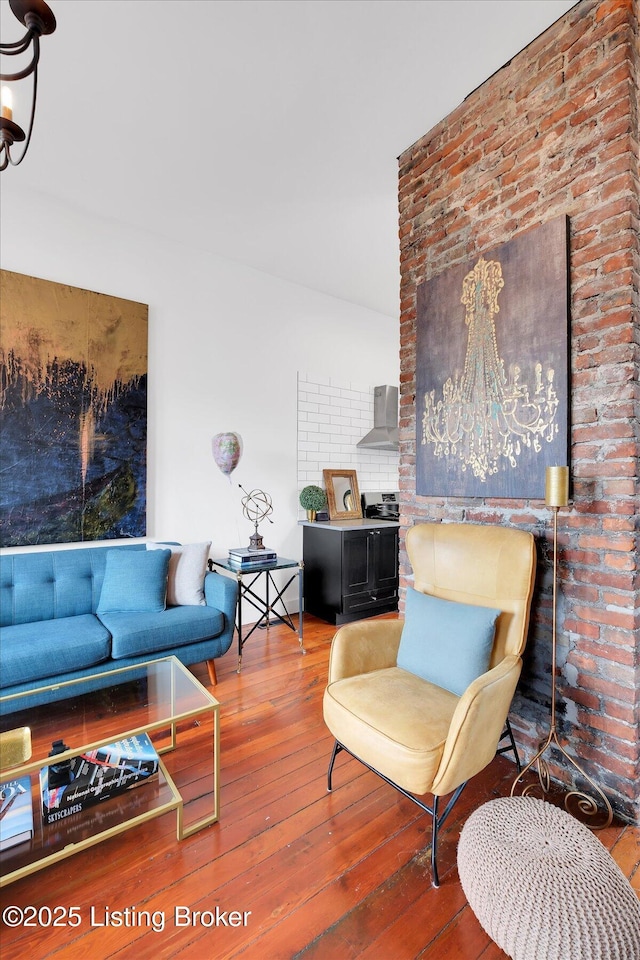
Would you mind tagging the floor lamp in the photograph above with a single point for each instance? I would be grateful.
(556, 496)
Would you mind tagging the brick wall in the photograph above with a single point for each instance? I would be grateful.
(555, 132)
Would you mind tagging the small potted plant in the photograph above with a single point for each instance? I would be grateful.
(312, 498)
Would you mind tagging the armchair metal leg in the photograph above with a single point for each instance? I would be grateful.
(511, 748)
(337, 747)
(435, 880)
(436, 821)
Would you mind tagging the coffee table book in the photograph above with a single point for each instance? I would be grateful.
(16, 812)
(244, 556)
(97, 775)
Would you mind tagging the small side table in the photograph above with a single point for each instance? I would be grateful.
(266, 608)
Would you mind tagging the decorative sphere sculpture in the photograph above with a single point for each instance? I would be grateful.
(256, 506)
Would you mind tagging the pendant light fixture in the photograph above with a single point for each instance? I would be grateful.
(39, 21)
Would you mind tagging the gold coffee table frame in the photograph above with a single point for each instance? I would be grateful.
(185, 698)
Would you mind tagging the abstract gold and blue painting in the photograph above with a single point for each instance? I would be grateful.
(73, 413)
(492, 370)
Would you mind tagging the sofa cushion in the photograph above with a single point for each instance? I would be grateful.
(51, 648)
(444, 642)
(150, 633)
(52, 584)
(134, 582)
(394, 720)
(187, 569)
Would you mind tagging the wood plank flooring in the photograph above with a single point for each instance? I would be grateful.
(318, 875)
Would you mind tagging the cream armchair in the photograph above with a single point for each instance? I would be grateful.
(426, 737)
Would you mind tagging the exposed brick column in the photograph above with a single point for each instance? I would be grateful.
(555, 132)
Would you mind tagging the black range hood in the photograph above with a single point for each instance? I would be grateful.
(384, 435)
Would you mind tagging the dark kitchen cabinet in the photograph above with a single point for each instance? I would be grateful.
(350, 572)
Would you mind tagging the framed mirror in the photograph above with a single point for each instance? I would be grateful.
(343, 496)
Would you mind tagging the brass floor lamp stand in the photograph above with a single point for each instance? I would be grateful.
(557, 495)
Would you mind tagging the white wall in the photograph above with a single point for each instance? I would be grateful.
(225, 345)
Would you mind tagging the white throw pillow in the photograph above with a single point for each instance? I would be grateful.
(187, 569)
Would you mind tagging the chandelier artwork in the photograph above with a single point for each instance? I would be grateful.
(483, 415)
(491, 369)
(39, 21)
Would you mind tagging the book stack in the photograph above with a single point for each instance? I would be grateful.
(16, 812)
(246, 559)
(96, 776)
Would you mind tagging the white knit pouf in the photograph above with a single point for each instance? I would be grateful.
(543, 886)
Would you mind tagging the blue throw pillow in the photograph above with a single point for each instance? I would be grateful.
(444, 642)
(135, 581)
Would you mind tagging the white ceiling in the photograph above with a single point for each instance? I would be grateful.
(265, 131)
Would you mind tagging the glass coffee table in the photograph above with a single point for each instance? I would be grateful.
(155, 698)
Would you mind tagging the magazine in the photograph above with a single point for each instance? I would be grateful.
(97, 775)
(16, 812)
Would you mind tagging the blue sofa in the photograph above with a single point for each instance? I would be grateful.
(56, 626)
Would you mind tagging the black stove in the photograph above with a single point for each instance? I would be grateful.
(381, 506)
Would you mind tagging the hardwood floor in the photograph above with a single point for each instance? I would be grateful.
(300, 872)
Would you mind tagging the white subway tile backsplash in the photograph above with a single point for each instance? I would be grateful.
(332, 418)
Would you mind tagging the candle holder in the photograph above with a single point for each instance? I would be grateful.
(39, 21)
(557, 496)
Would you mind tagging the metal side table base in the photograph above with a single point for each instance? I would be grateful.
(266, 607)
